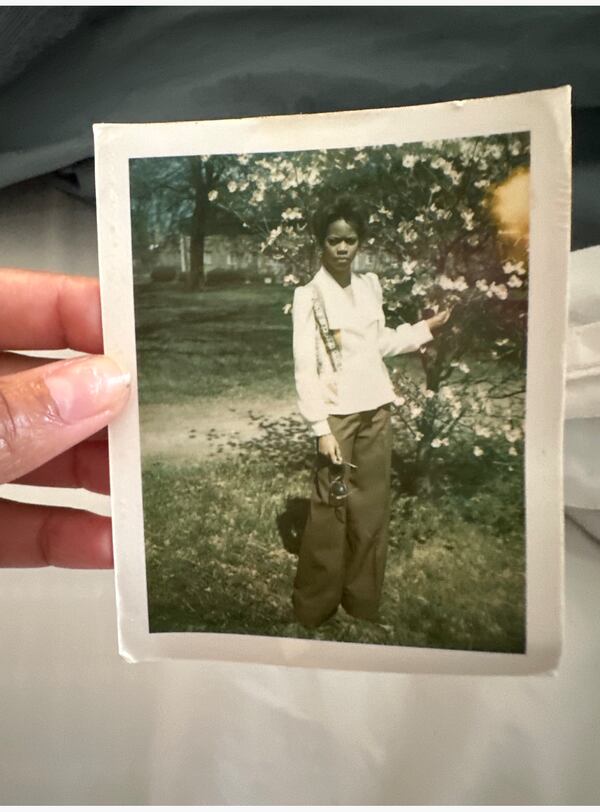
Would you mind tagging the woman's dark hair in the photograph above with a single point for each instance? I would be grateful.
(341, 208)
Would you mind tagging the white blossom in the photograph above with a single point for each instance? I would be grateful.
(514, 268)
(481, 184)
(478, 451)
(408, 266)
(514, 282)
(292, 214)
(467, 217)
(213, 195)
(436, 443)
(267, 280)
(464, 368)
(481, 285)
(512, 435)
(409, 161)
(287, 308)
(290, 279)
(273, 234)
(501, 291)
(482, 431)
(415, 411)
(513, 451)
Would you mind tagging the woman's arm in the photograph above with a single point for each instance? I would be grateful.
(310, 401)
(406, 337)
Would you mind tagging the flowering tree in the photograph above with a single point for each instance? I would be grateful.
(436, 227)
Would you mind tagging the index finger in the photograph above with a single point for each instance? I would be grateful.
(41, 310)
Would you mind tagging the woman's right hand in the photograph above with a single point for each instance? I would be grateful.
(330, 448)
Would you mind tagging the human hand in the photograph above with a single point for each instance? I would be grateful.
(51, 417)
(437, 321)
(329, 447)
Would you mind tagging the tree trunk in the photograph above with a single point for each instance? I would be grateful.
(421, 474)
(197, 274)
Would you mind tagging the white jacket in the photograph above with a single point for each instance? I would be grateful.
(363, 383)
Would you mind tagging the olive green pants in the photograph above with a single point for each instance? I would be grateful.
(343, 548)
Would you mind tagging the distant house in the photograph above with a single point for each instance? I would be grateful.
(237, 255)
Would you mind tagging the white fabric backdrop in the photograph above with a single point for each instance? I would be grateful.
(79, 725)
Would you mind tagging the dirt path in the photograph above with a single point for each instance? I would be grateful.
(189, 432)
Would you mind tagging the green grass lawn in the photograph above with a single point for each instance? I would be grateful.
(216, 563)
(230, 341)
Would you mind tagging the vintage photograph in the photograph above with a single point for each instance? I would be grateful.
(347, 339)
(331, 365)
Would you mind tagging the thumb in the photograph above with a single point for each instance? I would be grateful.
(46, 410)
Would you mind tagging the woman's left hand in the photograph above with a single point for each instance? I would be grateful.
(437, 321)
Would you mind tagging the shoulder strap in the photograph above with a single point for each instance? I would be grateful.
(323, 325)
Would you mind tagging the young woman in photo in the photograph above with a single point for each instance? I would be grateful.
(345, 395)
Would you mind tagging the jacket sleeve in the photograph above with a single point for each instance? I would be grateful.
(310, 400)
(406, 337)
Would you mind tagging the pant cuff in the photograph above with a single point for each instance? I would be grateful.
(361, 611)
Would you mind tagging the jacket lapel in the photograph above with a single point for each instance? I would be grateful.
(338, 309)
(334, 300)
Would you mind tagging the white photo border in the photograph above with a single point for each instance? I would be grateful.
(546, 115)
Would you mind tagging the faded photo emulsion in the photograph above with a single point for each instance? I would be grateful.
(331, 351)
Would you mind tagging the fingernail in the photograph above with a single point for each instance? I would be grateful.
(86, 387)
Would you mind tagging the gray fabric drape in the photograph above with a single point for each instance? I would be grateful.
(61, 69)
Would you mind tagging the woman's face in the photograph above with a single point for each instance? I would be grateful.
(340, 247)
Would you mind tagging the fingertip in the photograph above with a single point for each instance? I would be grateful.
(78, 540)
(87, 387)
